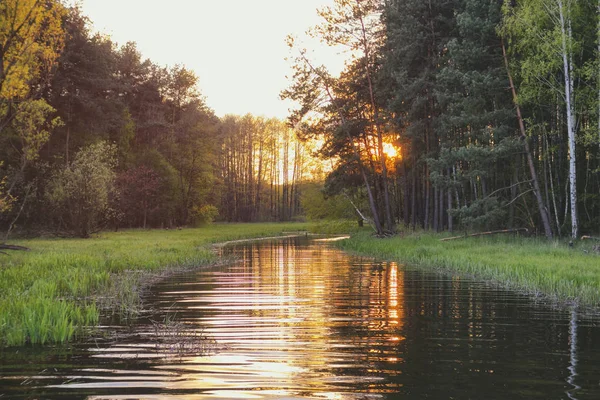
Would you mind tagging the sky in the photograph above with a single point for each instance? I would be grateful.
(236, 47)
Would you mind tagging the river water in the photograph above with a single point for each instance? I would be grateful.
(299, 319)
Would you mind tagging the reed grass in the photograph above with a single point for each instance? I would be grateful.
(49, 294)
(536, 266)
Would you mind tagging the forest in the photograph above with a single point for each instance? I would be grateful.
(450, 115)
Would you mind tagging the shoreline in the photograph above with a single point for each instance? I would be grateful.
(550, 272)
(60, 288)
(146, 279)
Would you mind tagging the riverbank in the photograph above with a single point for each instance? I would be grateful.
(49, 294)
(550, 269)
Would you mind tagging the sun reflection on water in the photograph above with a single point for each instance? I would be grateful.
(297, 319)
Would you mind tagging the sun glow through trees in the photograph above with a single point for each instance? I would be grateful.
(390, 150)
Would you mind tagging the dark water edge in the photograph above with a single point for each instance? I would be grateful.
(296, 318)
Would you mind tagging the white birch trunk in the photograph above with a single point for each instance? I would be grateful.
(567, 67)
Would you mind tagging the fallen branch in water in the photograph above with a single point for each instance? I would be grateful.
(486, 233)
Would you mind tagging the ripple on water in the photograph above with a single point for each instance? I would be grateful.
(298, 319)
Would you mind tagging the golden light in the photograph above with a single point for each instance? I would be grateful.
(390, 150)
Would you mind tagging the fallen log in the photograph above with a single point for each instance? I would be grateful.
(486, 234)
(4, 246)
(589, 238)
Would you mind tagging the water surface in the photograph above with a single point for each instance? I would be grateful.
(296, 318)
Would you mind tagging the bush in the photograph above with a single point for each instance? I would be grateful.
(79, 194)
(203, 215)
(317, 206)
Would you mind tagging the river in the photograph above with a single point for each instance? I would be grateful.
(298, 319)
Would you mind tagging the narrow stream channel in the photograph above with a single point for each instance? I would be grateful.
(299, 319)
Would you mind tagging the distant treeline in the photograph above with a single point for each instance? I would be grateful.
(92, 136)
(494, 107)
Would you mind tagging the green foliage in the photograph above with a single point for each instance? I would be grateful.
(33, 126)
(80, 193)
(533, 32)
(6, 200)
(485, 213)
(202, 215)
(125, 135)
(317, 206)
(31, 38)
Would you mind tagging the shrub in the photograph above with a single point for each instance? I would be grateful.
(79, 194)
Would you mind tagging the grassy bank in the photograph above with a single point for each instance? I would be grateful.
(533, 265)
(49, 293)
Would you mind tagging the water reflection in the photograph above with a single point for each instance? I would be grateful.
(573, 360)
(299, 319)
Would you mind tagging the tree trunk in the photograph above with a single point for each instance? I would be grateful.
(436, 214)
(536, 186)
(441, 210)
(406, 193)
(568, 70)
(145, 215)
(426, 193)
(413, 202)
(259, 179)
(389, 221)
(450, 219)
(598, 55)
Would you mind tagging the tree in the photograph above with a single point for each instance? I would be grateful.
(532, 170)
(29, 131)
(80, 193)
(318, 206)
(567, 58)
(357, 25)
(31, 38)
(542, 32)
(418, 33)
(317, 92)
(139, 189)
(476, 122)
(31, 127)
(85, 90)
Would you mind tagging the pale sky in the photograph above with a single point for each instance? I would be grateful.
(236, 47)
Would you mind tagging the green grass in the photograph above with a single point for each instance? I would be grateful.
(48, 294)
(535, 266)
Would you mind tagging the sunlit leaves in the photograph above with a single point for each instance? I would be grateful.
(6, 200)
(33, 124)
(31, 38)
(80, 192)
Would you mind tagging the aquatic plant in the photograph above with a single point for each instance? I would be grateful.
(174, 338)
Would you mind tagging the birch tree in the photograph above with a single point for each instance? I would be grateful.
(541, 31)
(567, 58)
